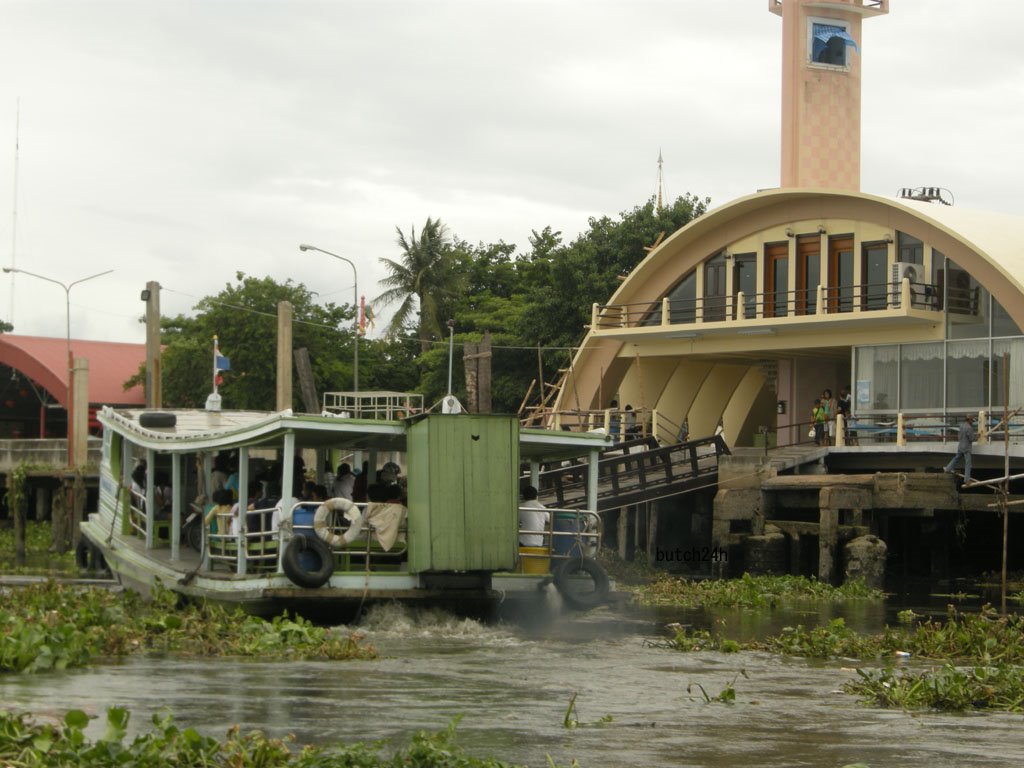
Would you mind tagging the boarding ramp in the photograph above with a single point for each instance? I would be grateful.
(633, 472)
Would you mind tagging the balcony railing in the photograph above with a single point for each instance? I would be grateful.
(821, 300)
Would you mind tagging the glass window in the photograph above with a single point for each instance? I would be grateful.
(840, 274)
(682, 301)
(808, 273)
(1002, 323)
(967, 374)
(966, 304)
(714, 288)
(875, 378)
(1008, 354)
(909, 248)
(744, 278)
(875, 279)
(921, 376)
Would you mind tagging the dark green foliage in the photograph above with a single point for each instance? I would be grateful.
(948, 688)
(244, 318)
(748, 591)
(24, 743)
(50, 626)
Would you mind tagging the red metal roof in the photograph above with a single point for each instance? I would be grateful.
(45, 361)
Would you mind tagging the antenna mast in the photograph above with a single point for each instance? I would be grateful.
(14, 215)
(661, 183)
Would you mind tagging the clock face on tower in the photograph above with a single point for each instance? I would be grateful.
(829, 41)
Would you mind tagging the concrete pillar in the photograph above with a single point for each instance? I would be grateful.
(80, 411)
(828, 543)
(652, 531)
(625, 532)
(284, 355)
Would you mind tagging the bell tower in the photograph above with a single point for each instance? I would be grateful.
(821, 74)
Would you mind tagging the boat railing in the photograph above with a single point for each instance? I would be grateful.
(364, 553)
(137, 512)
(569, 533)
(262, 540)
(138, 521)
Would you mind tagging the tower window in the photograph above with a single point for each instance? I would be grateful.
(829, 41)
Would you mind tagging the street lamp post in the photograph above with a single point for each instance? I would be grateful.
(67, 314)
(355, 303)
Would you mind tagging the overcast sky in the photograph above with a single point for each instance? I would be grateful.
(182, 141)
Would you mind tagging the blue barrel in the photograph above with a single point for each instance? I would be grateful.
(303, 516)
(302, 519)
(562, 543)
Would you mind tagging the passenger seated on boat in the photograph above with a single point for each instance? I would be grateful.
(361, 481)
(268, 510)
(139, 485)
(163, 496)
(220, 519)
(386, 489)
(344, 482)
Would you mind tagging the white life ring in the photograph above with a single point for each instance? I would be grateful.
(322, 519)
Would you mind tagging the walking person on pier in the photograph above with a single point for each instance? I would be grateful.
(966, 436)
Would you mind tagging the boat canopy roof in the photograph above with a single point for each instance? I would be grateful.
(199, 430)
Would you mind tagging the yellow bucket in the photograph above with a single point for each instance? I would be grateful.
(534, 560)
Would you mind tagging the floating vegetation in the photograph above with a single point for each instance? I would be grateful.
(998, 688)
(978, 638)
(52, 626)
(748, 591)
(990, 645)
(571, 719)
(41, 561)
(165, 745)
(726, 696)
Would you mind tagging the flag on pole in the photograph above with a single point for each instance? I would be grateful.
(367, 319)
(220, 363)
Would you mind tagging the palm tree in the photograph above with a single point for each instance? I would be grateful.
(426, 277)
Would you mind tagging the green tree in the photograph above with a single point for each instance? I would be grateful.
(244, 318)
(564, 281)
(426, 279)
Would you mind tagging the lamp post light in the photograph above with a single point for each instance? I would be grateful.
(67, 314)
(355, 304)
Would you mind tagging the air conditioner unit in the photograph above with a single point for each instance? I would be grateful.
(900, 270)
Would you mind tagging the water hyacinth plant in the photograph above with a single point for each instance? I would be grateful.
(52, 626)
(24, 743)
(748, 591)
(997, 688)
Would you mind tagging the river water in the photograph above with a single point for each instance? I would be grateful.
(512, 683)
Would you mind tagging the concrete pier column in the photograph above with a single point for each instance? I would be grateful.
(828, 543)
(626, 527)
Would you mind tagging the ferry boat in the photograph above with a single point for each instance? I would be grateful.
(447, 534)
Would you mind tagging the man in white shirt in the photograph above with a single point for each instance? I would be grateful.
(533, 517)
(344, 482)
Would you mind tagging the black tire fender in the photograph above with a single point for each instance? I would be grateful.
(575, 598)
(292, 565)
(157, 419)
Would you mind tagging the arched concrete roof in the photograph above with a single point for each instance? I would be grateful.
(44, 360)
(988, 245)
